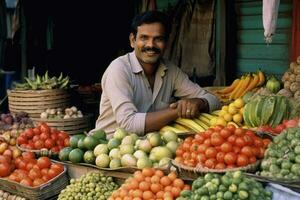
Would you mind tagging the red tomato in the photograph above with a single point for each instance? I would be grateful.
(4, 169)
(194, 147)
(218, 127)
(220, 157)
(266, 142)
(231, 128)
(186, 146)
(252, 159)
(29, 133)
(210, 163)
(208, 133)
(38, 182)
(44, 171)
(44, 136)
(43, 162)
(62, 135)
(226, 147)
(220, 166)
(231, 139)
(239, 132)
(26, 182)
(28, 156)
(207, 142)
(240, 142)
(250, 133)
(202, 148)
(45, 178)
(248, 140)
(247, 150)
(21, 140)
(217, 140)
(45, 128)
(36, 131)
(179, 151)
(39, 144)
(242, 160)
(49, 143)
(51, 173)
(291, 123)
(258, 142)
(201, 158)
(211, 152)
(225, 133)
(236, 149)
(54, 136)
(55, 149)
(34, 173)
(36, 138)
(22, 165)
(255, 151)
(199, 138)
(66, 142)
(230, 158)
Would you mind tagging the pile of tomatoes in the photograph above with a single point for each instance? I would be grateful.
(222, 148)
(291, 123)
(43, 137)
(151, 184)
(33, 172)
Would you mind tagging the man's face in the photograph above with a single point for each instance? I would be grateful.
(149, 43)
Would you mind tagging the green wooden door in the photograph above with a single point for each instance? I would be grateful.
(252, 51)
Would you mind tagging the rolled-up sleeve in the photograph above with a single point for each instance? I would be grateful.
(185, 88)
(119, 91)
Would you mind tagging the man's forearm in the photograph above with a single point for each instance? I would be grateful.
(156, 120)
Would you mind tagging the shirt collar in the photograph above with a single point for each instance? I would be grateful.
(137, 68)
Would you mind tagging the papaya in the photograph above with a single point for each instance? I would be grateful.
(268, 106)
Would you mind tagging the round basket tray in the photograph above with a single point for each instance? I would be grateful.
(195, 172)
(71, 125)
(34, 102)
(44, 152)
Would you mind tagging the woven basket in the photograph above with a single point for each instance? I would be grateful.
(45, 191)
(39, 153)
(194, 172)
(34, 102)
(71, 126)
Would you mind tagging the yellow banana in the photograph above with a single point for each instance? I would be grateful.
(233, 123)
(241, 88)
(262, 78)
(170, 128)
(180, 127)
(216, 112)
(252, 84)
(207, 115)
(202, 124)
(204, 120)
(190, 124)
(229, 88)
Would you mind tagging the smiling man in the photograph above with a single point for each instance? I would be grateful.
(142, 92)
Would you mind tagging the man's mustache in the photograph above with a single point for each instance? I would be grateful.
(156, 50)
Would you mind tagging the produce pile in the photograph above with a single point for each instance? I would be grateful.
(59, 113)
(292, 123)
(282, 158)
(231, 186)
(44, 82)
(17, 122)
(6, 195)
(43, 137)
(32, 172)
(291, 79)
(222, 147)
(123, 150)
(92, 185)
(151, 184)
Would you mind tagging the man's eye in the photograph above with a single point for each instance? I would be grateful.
(160, 39)
(143, 37)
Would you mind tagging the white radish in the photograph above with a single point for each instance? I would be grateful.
(270, 13)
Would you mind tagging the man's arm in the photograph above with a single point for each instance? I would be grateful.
(156, 120)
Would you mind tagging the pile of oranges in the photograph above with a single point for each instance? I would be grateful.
(150, 184)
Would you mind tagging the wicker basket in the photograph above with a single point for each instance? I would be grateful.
(39, 153)
(187, 172)
(71, 126)
(34, 102)
(45, 191)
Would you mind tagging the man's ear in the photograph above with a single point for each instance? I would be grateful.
(132, 40)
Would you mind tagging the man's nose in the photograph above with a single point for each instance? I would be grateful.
(150, 43)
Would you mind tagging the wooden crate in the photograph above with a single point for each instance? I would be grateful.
(34, 102)
(71, 125)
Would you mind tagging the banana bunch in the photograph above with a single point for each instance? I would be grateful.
(240, 86)
(183, 125)
(44, 83)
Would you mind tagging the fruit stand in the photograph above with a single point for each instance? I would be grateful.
(231, 153)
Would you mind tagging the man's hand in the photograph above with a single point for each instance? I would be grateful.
(190, 108)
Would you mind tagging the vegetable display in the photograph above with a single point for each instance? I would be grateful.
(92, 185)
(291, 79)
(231, 186)
(59, 113)
(222, 147)
(282, 158)
(44, 83)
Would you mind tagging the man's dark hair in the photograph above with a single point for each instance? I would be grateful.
(150, 17)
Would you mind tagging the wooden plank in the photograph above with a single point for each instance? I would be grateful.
(255, 8)
(268, 66)
(255, 22)
(271, 51)
(257, 37)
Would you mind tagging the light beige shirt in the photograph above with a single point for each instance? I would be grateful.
(127, 95)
